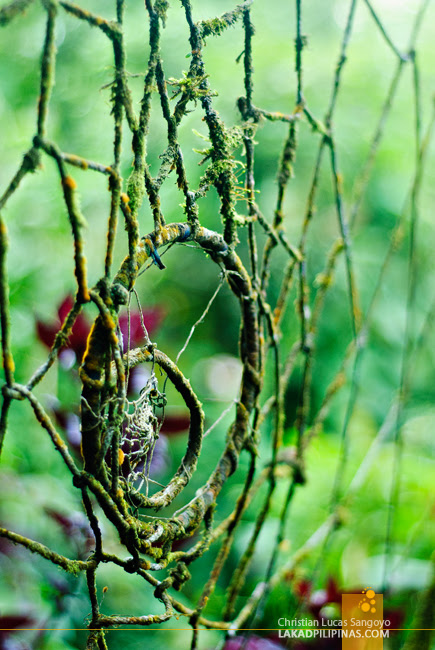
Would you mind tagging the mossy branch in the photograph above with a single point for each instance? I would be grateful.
(13, 9)
(216, 26)
(70, 566)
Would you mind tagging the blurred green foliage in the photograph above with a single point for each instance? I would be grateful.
(40, 266)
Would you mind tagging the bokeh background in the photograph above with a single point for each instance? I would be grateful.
(37, 498)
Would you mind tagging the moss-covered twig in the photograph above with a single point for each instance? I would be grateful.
(8, 360)
(18, 391)
(71, 566)
(76, 218)
(31, 161)
(60, 340)
(13, 9)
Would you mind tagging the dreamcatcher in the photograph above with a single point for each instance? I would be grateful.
(141, 432)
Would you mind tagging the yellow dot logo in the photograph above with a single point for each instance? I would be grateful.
(367, 604)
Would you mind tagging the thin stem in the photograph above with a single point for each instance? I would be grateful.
(47, 68)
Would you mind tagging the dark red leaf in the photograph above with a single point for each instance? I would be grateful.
(333, 594)
(302, 588)
(180, 544)
(46, 333)
(396, 616)
(65, 307)
(176, 423)
(79, 334)
(183, 543)
(152, 318)
(11, 622)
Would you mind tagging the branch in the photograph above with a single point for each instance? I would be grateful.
(71, 566)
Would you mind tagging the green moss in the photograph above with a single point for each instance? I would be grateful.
(161, 8)
(216, 26)
(136, 189)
